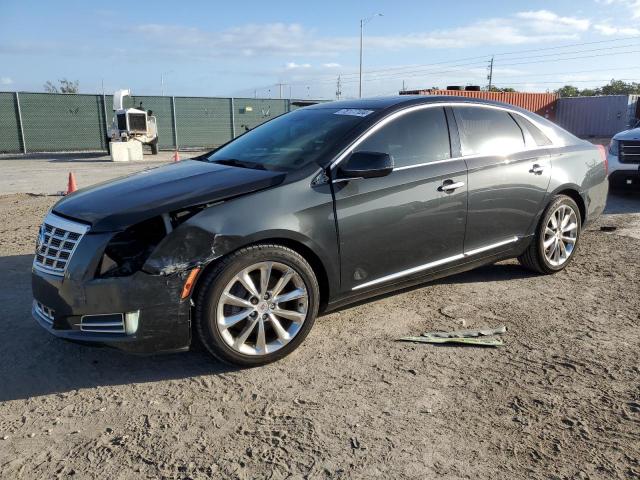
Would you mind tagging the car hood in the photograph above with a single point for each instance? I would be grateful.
(633, 134)
(120, 203)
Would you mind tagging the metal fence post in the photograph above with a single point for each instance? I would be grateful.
(175, 126)
(106, 120)
(233, 119)
(24, 143)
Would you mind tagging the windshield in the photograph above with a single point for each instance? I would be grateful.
(290, 141)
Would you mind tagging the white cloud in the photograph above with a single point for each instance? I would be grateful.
(278, 39)
(6, 80)
(546, 21)
(296, 66)
(331, 65)
(606, 29)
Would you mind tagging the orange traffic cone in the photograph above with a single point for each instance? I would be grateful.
(71, 186)
(176, 156)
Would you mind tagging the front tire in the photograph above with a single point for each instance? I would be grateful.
(257, 305)
(556, 238)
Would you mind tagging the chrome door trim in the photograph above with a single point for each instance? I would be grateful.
(436, 263)
(556, 141)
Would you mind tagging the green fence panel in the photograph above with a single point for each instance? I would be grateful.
(74, 122)
(162, 110)
(251, 112)
(54, 123)
(9, 124)
(203, 122)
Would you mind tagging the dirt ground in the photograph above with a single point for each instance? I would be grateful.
(561, 400)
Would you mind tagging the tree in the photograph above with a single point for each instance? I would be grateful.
(505, 89)
(568, 91)
(619, 87)
(66, 86)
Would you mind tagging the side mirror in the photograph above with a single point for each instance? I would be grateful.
(366, 165)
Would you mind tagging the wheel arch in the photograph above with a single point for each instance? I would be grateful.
(573, 193)
(297, 246)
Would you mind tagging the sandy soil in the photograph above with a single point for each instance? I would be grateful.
(561, 400)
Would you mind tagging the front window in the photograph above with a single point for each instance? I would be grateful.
(291, 141)
(415, 138)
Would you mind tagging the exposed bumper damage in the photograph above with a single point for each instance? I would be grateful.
(89, 291)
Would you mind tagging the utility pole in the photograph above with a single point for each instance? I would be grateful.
(363, 22)
(280, 85)
(490, 76)
(338, 88)
(403, 87)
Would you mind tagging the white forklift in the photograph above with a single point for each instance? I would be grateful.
(131, 128)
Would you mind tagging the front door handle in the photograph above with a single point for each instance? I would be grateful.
(536, 169)
(450, 186)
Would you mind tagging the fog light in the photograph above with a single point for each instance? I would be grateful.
(131, 322)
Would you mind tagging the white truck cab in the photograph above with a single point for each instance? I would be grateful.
(132, 124)
(624, 158)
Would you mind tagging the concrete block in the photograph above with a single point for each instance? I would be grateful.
(126, 151)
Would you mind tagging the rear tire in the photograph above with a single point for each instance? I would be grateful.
(277, 313)
(556, 238)
(154, 148)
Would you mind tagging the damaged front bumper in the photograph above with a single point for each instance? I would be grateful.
(139, 313)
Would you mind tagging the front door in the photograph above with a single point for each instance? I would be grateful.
(411, 221)
(508, 179)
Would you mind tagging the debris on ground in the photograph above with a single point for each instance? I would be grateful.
(480, 337)
(608, 228)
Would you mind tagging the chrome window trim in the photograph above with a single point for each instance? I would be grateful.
(556, 142)
(436, 263)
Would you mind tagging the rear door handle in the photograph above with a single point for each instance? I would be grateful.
(450, 186)
(536, 169)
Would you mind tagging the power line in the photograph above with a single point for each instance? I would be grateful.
(513, 52)
(418, 70)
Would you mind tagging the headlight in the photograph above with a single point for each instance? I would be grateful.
(128, 250)
(614, 146)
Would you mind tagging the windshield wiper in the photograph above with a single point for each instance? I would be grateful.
(232, 162)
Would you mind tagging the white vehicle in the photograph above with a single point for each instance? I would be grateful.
(132, 124)
(624, 157)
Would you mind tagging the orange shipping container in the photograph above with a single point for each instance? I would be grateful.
(543, 104)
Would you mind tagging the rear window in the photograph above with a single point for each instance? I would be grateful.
(487, 131)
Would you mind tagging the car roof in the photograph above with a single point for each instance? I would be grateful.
(400, 101)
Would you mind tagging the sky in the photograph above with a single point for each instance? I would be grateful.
(212, 48)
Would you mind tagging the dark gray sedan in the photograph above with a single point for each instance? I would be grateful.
(316, 209)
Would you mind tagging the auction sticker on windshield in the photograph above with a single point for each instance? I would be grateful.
(356, 112)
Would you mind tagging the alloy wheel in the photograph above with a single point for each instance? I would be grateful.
(262, 308)
(560, 235)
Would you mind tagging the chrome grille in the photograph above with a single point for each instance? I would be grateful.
(43, 312)
(629, 151)
(57, 240)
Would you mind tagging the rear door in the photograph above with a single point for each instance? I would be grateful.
(507, 179)
(391, 227)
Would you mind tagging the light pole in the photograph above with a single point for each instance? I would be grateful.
(363, 22)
